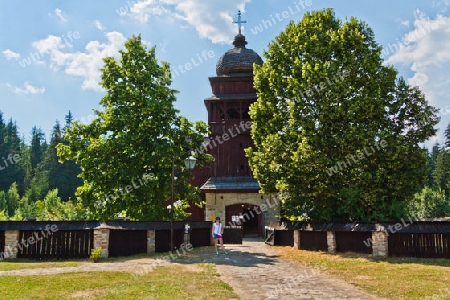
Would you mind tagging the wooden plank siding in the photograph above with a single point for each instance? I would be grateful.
(425, 245)
(232, 235)
(63, 244)
(313, 240)
(127, 242)
(353, 241)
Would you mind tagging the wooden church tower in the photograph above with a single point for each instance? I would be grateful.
(230, 191)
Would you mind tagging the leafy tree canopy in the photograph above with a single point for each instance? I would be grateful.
(126, 152)
(336, 131)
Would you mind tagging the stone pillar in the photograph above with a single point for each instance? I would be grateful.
(151, 245)
(331, 241)
(101, 239)
(380, 244)
(11, 241)
(297, 239)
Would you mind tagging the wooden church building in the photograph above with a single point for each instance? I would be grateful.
(227, 185)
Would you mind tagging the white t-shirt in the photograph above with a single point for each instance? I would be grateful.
(217, 228)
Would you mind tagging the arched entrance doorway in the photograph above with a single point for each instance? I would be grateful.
(246, 215)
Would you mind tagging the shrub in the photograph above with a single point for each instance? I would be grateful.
(95, 254)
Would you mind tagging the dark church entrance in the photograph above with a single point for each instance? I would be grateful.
(247, 216)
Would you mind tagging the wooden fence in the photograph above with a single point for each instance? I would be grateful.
(434, 245)
(62, 244)
(313, 241)
(162, 240)
(427, 239)
(76, 239)
(2, 240)
(127, 242)
(233, 235)
(353, 241)
(200, 237)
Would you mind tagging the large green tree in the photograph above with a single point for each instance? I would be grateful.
(336, 132)
(442, 171)
(430, 203)
(126, 152)
(12, 200)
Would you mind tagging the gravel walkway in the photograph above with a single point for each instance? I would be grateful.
(255, 271)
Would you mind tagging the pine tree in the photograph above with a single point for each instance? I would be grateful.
(431, 165)
(10, 149)
(38, 145)
(62, 176)
(5, 179)
(447, 136)
(442, 171)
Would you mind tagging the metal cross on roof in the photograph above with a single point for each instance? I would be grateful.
(239, 21)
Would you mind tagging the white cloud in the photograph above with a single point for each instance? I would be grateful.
(11, 54)
(99, 25)
(81, 64)
(142, 11)
(28, 89)
(59, 14)
(48, 44)
(426, 50)
(212, 19)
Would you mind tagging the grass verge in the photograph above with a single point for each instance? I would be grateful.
(393, 278)
(199, 281)
(22, 264)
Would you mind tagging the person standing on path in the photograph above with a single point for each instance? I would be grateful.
(217, 232)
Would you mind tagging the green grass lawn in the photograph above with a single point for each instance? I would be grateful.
(199, 281)
(20, 264)
(8, 265)
(392, 278)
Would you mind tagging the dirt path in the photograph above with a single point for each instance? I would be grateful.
(253, 270)
(131, 266)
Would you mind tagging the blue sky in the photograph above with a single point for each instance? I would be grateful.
(51, 51)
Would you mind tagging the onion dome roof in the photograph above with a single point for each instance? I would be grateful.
(238, 59)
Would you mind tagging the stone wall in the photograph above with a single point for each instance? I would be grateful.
(11, 241)
(331, 241)
(216, 204)
(297, 239)
(380, 244)
(101, 239)
(151, 245)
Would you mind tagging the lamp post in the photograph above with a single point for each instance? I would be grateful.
(189, 162)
